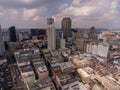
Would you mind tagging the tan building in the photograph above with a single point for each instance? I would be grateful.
(84, 75)
(67, 82)
(27, 73)
(108, 82)
(40, 69)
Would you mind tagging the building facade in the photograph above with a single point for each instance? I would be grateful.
(66, 27)
(12, 33)
(2, 48)
(51, 34)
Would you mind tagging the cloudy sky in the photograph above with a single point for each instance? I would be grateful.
(84, 13)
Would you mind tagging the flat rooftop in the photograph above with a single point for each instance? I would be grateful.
(40, 65)
(41, 84)
(26, 68)
(65, 78)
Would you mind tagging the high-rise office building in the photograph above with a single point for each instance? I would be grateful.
(2, 48)
(12, 33)
(51, 34)
(60, 40)
(66, 27)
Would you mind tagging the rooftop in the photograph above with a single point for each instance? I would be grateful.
(83, 73)
(40, 65)
(65, 78)
(42, 84)
(26, 68)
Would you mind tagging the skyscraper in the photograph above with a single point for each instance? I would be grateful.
(60, 42)
(12, 33)
(66, 27)
(51, 34)
(2, 48)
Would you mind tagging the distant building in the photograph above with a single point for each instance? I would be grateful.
(100, 49)
(12, 33)
(51, 34)
(60, 40)
(2, 48)
(62, 44)
(103, 50)
(85, 36)
(6, 36)
(20, 36)
(38, 32)
(66, 27)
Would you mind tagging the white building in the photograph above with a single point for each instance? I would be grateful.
(89, 48)
(100, 49)
(62, 44)
(20, 36)
(103, 50)
(94, 49)
(51, 34)
(6, 36)
(2, 48)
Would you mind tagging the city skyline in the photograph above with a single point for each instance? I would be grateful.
(83, 13)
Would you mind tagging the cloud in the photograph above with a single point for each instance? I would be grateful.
(86, 13)
(34, 13)
(28, 13)
(37, 18)
(28, 3)
(1, 13)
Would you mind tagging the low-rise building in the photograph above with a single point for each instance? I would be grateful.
(45, 84)
(40, 69)
(97, 87)
(27, 73)
(84, 75)
(108, 82)
(67, 82)
(24, 54)
(89, 70)
(67, 67)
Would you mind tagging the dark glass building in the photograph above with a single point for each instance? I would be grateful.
(38, 32)
(12, 33)
(66, 27)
